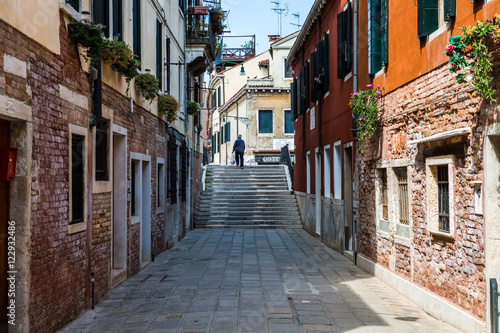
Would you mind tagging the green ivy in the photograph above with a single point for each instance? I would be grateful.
(168, 106)
(364, 105)
(469, 56)
(195, 107)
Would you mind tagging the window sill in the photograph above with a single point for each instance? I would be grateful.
(160, 210)
(402, 240)
(383, 234)
(77, 227)
(102, 186)
(348, 76)
(134, 219)
(266, 134)
(69, 10)
(438, 32)
(440, 234)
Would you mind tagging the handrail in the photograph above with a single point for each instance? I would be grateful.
(286, 159)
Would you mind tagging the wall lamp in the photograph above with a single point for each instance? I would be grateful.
(242, 69)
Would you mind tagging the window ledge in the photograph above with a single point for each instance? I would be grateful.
(77, 227)
(135, 219)
(441, 234)
(438, 32)
(348, 76)
(69, 10)
(402, 240)
(160, 210)
(102, 186)
(380, 72)
(383, 234)
(441, 136)
(266, 134)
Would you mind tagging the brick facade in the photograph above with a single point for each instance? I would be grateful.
(451, 267)
(61, 262)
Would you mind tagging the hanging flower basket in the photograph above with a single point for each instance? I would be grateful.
(89, 35)
(193, 108)
(147, 85)
(168, 106)
(120, 57)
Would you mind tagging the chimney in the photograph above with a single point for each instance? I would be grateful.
(273, 38)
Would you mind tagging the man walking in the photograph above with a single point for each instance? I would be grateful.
(239, 150)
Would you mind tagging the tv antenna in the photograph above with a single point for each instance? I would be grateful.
(297, 16)
(280, 11)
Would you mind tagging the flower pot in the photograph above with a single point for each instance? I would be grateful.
(83, 40)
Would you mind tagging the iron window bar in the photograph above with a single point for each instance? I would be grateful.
(443, 198)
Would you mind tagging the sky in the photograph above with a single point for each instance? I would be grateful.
(249, 17)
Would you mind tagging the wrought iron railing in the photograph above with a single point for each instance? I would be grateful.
(200, 31)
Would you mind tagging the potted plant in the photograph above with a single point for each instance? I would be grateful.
(469, 55)
(147, 85)
(120, 57)
(89, 35)
(168, 106)
(193, 108)
(364, 106)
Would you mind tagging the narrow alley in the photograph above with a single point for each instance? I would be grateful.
(254, 280)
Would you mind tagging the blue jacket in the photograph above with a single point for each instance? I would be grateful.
(239, 145)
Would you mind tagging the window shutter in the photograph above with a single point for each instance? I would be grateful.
(374, 36)
(299, 82)
(172, 172)
(293, 99)
(223, 137)
(347, 40)
(168, 65)
(218, 97)
(118, 18)
(228, 132)
(340, 45)
(101, 14)
(75, 4)
(303, 79)
(307, 80)
(137, 28)
(384, 31)
(325, 83)
(314, 74)
(184, 168)
(427, 17)
(449, 9)
(159, 53)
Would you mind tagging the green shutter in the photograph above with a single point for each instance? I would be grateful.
(314, 74)
(428, 20)
(118, 18)
(299, 82)
(374, 35)
(159, 53)
(325, 83)
(218, 97)
(293, 99)
(340, 45)
(228, 132)
(137, 28)
(384, 31)
(449, 9)
(303, 79)
(347, 39)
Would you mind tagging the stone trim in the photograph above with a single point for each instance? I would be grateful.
(82, 131)
(429, 302)
(441, 136)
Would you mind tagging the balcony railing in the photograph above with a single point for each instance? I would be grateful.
(200, 31)
(235, 54)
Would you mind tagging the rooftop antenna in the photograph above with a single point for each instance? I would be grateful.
(297, 15)
(280, 11)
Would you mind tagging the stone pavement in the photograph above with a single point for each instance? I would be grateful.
(254, 280)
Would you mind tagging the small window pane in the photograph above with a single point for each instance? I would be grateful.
(288, 122)
(443, 199)
(265, 121)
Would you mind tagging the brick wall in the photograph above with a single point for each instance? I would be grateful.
(101, 243)
(451, 268)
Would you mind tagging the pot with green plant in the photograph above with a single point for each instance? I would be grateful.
(89, 35)
(120, 57)
(168, 106)
(469, 55)
(193, 108)
(147, 85)
(364, 105)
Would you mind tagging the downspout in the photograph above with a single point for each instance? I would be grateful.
(131, 34)
(186, 119)
(355, 89)
(320, 100)
(303, 116)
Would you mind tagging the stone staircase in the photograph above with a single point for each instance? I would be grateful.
(255, 197)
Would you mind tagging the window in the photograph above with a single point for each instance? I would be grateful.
(159, 52)
(136, 26)
(101, 151)
(134, 180)
(75, 4)
(312, 118)
(77, 178)
(439, 188)
(432, 14)
(385, 199)
(404, 209)
(227, 132)
(320, 69)
(167, 88)
(377, 34)
(443, 198)
(118, 19)
(182, 5)
(101, 14)
(265, 121)
(326, 179)
(160, 202)
(173, 173)
(288, 122)
(287, 70)
(344, 44)
(337, 171)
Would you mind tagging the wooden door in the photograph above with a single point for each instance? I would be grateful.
(4, 216)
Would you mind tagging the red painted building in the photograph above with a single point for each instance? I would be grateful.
(322, 60)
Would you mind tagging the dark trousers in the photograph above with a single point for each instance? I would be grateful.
(238, 157)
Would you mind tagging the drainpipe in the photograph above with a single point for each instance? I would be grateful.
(97, 95)
(355, 89)
(303, 116)
(186, 129)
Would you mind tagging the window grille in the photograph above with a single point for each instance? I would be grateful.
(101, 163)
(77, 178)
(443, 199)
(404, 209)
(385, 201)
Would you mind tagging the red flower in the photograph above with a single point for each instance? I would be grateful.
(449, 48)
